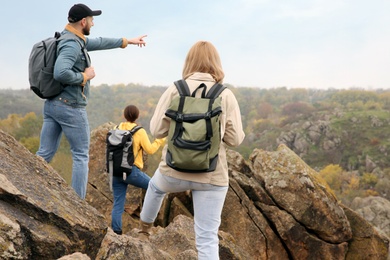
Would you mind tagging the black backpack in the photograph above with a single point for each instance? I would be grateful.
(41, 66)
(194, 135)
(119, 152)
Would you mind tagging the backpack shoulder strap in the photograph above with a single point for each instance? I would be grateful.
(182, 87)
(71, 36)
(215, 90)
(135, 129)
(57, 35)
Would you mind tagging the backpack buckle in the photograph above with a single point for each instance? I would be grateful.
(207, 116)
(179, 118)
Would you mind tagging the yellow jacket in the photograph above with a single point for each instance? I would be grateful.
(141, 143)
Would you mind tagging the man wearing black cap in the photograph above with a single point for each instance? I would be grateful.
(66, 112)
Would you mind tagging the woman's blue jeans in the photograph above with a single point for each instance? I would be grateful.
(208, 202)
(119, 186)
(60, 118)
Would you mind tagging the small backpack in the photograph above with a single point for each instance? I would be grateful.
(41, 66)
(119, 152)
(194, 134)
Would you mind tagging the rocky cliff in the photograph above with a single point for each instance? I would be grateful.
(41, 217)
(277, 207)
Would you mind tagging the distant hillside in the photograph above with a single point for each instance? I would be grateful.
(19, 102)
(348, 128)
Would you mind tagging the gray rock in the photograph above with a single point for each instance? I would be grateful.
(75, 256)
(41, 217)
(375, 210)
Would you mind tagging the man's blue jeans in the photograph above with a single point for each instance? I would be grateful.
(60, 118)
(119, 186)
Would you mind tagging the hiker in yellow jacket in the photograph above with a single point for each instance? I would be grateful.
(137, 177)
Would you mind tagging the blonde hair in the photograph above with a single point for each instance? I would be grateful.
(203, 57)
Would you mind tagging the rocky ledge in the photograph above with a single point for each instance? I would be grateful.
(277, 207)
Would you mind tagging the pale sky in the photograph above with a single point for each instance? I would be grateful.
(262, 43)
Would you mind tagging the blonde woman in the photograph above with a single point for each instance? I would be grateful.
(202, 65)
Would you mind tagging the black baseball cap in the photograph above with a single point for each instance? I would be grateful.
(80, 11)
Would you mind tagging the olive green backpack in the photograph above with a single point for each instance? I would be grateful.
(194, 135)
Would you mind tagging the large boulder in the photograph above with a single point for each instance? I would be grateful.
(128, 247)
(366, 242)
(298, 190)
(41, 217)
(375, 210)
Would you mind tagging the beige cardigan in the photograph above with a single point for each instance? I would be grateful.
(231, 130)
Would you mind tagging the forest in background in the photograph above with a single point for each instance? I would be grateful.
(357, 165)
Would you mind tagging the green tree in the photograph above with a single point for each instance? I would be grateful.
(368, 180)
(10, 124)
(383, 188)
(31, 143)
(345, 97)
(29, 126)
(293, 109)
(264, 110)
(331, 174)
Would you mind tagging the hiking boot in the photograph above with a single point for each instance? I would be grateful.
(144, 232)
(119, 232)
